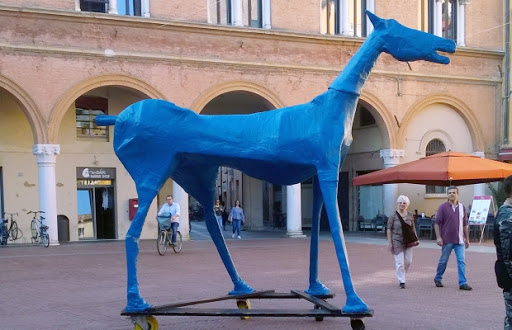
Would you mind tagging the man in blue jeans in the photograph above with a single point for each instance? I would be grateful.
(171, 210)
(451, 226)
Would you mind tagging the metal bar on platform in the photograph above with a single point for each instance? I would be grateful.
(204, 301)
(317, 301)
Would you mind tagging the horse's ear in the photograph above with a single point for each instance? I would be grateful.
(373, 18)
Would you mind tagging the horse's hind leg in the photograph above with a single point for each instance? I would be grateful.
(206, 196)
(315, 287)
(135, 301)
(328, 181)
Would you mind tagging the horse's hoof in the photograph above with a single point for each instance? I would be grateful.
(241, 288)
(137, 305)
(317, 289)
(355, 306)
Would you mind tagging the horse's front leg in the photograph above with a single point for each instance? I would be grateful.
(214, 229)
(328, 181)
(135, 300)
(315, 286)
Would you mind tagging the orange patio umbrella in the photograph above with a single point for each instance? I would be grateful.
(443, 169)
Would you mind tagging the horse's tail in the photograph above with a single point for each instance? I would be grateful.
(104, 120)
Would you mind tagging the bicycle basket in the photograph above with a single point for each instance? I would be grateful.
(164, 223)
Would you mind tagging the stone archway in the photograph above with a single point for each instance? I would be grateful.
(100, 81)
(241, 97)
(233, 86)
(29, 108)
(457, 105)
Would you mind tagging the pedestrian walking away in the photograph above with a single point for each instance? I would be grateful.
(225, 215)
(451, 227)
(502, 239)
(236, 216)
(396, 244)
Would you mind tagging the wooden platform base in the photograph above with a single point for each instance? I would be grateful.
(321, 308)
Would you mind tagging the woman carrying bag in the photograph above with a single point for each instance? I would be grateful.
(401, 239)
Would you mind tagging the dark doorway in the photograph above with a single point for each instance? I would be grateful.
(63, 228)
(104, 198)
(96, 216)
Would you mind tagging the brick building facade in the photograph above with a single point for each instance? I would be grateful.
(62, 62)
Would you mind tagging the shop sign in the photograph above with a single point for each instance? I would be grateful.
(84, 182)
(94, 173)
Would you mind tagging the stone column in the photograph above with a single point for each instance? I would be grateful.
(479, 189)
(112, 7)
(237, 13)
(293, 211)
(46, 159)
(438, 22)
(181, 197)
(345, 24)
(461, 22)
(145, 8)
(391, 158)
(370, 5)
(266, 14)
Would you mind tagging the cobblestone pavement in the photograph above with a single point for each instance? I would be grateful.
(82, 285)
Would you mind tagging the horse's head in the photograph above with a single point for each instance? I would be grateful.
(406, 44)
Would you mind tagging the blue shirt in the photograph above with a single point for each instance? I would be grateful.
(236, 213)
(169, 211)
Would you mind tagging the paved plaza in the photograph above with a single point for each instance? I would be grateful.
(82, 285)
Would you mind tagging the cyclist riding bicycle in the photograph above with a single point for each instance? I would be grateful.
(169, 217)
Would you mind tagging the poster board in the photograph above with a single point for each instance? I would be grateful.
(480, 210)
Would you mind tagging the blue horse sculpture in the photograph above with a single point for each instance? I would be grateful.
(157, 140)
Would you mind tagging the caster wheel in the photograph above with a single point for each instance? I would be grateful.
(243, 304)
(357, 324)
(318, 318)
(150, 323)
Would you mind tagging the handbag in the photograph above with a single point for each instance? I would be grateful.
(410, 238)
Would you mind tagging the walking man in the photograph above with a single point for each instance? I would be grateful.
(502, 239)
(451, 226)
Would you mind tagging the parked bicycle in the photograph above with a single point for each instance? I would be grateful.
(13, 233)
(38, 229)
(165, 235)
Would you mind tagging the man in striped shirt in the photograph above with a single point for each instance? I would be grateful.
(451, 226)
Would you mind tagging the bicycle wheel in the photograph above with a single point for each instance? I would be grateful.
(34, 230)
(178, 244)
(13, 231)
(161, 243)
(45, 239)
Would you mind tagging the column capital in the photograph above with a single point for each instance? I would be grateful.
(45, 153)
(391, 156)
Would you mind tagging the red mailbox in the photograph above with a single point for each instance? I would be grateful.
(133, 207)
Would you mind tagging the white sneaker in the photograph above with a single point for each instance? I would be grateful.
(233, 236)
(239, 237)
